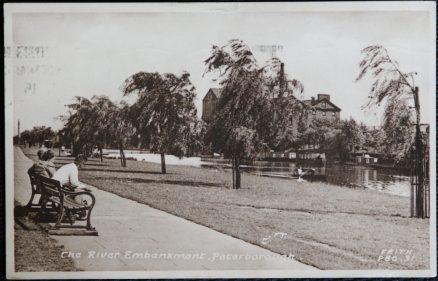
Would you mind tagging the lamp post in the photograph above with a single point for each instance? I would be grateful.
(60, 135)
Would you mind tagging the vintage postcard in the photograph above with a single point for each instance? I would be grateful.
(196, 140)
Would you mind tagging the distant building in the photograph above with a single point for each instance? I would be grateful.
(209, 104)
(322, 108)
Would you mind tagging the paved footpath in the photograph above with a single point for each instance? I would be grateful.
(133, 235)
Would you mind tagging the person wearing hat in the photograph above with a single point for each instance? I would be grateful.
(44, 166)
(49, 158)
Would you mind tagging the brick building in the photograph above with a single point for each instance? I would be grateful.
(321, 107)
(209, 104)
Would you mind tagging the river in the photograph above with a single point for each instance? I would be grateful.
(381, 180)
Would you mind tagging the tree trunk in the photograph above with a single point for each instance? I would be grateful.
(232, 172)
(122, 157)
(101, 153)
(237, 167)
(163, 163)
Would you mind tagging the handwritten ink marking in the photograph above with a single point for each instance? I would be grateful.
(43, 69)
(30, 52)
(267, 240)
(30, 88)
(278, 235)
(7, 52)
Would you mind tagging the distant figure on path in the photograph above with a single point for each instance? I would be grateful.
(300, 174)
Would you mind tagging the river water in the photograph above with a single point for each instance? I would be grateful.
(381, 180)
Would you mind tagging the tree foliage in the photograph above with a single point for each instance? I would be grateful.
(398, 130)
(37, 135)
(396, 89)
(97, 122)
(164, 114)
(252, 105)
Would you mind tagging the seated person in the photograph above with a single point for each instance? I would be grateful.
(41, 152)
(49, 158)
(68, 174)
(45, 166)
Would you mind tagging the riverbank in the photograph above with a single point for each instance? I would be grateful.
(323, 225)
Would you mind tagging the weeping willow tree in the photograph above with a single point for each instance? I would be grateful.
(254, 106)
(97, 122)
(164, 114)
(397, 89)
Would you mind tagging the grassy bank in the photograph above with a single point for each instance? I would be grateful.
(35, 251)
(327, 226)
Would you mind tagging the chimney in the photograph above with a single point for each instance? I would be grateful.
(321, 96)
(313, 100)
(281, 76)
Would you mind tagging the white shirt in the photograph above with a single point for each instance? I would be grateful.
(68, 174)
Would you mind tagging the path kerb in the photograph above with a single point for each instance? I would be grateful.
(134, 236)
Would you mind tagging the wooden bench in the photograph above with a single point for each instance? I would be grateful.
(35, 191)
(67, 208)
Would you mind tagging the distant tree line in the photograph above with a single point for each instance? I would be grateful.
(37, 135)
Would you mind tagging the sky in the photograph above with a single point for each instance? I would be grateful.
(88, 54)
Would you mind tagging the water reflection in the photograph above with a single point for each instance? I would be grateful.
(383, 180)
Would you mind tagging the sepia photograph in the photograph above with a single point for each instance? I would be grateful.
(243, 140)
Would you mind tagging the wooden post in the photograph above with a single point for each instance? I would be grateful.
(420, 204)
(237, 167)
(18, 132)
(59, 144)
(232, 171)
(163, 163)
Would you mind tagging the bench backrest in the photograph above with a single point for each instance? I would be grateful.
(33, 180)
(50, 187)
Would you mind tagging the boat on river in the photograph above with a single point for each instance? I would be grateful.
(308, 177)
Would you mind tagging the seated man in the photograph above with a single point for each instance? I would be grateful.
(68, 174)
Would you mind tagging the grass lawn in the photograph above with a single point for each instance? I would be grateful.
(35, 251)
(326, 226)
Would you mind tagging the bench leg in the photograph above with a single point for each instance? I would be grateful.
(89, 219)
(30, 203)
(42, 209)
(60, 216)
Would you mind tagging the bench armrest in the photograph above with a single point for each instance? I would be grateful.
(81, 192)
(68, 187)
(84, 189)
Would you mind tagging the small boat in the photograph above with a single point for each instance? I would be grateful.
(308, 177)
(311, 177)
